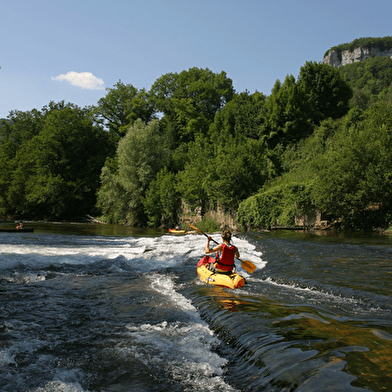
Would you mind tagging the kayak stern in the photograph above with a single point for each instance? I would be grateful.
(231, 281)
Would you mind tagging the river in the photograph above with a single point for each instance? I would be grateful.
(103, 308)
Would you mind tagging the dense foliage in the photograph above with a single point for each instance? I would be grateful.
(50, 162)
(138, 155)
(367, 79)
(344, 170)
(121, 107)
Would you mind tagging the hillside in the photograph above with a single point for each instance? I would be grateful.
(339, 176)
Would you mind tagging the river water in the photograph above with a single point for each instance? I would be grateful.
(102, 308)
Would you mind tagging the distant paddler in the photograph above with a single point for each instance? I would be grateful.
(19, 225)
(177, 230)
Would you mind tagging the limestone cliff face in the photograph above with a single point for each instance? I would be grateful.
(338, 59)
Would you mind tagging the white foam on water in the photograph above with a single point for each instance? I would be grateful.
(7, 358)
(19, 278)
(318, 297)
(165, 251)
(193, 245)
(308, 291)
(60, 386)
(105, 248)
(185, 350)
(165, 286)
(64, 380)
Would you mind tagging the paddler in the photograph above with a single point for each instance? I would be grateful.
(226, 252)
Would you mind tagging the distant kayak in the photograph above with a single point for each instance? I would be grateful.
(29, 230)
(177, 231)
(231, 281)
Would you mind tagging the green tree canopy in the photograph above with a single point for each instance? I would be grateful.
(287, 118)
(189, 101)
(327, 93)
(54, 172)
(162, 200)
(367, 79)
(140, 156)
(244, 115)
(343, 170)
(355, 172)
(122, 106)
(17, 130)
(193, 180)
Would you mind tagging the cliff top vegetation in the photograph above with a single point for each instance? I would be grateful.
(384, 43)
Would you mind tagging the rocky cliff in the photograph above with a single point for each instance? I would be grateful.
(338, 58)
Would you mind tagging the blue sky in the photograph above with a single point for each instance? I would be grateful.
(71, 50)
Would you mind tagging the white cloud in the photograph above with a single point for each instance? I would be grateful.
(82, 79)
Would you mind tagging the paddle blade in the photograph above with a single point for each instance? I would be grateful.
(248, 266)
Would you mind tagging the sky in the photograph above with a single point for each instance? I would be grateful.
(73, 50)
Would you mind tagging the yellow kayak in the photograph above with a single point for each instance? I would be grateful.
(177, 231)
(231, 281)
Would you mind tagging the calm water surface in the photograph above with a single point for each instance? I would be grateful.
(105, 308)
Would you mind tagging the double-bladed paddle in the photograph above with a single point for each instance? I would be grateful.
(246, 264)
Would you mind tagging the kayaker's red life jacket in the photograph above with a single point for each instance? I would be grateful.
(226, 261)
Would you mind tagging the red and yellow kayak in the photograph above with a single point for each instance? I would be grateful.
(231, 281)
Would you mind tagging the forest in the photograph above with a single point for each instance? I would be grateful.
(320, 141)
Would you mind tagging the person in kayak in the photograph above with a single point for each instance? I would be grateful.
(225, 254)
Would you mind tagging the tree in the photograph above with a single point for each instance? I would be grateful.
(242, 116)
(122, 106)
(238, 170)
(189, 102)
(230, 162)
(111, 197)
(194, 179)
(162, 200)
(14, 132)
(286, 114)
(327, 93)
(140, 156)
(354, 175)
(223, 170)
(367, 79)
(55, 173)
